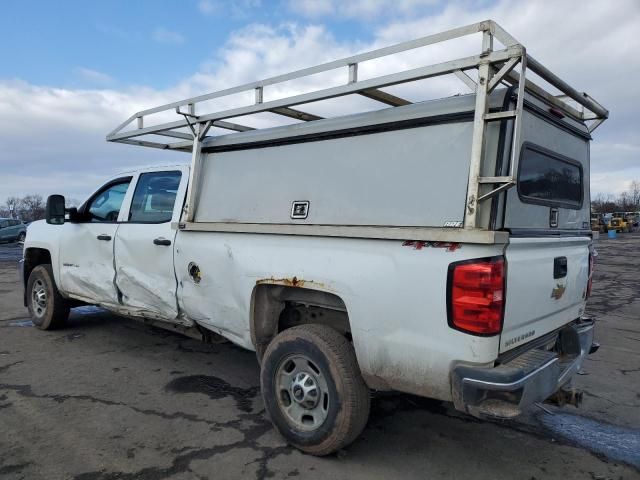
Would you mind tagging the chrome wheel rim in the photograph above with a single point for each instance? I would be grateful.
(39, 298)
(303, 395)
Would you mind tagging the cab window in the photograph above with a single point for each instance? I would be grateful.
(155, 197)
(105, 205)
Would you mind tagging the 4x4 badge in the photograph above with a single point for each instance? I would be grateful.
(558, 291)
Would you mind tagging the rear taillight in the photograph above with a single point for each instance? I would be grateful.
(589, 282)
(476, 296)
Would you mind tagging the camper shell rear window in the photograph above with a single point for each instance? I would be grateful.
(547, 178)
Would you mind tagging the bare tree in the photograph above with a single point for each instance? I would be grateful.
(624, 201)
(634, 192)
(32, 208)
(71, 202)
(11, 207)
(628, 201)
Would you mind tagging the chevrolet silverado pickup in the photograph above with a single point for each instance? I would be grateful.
(436, 247)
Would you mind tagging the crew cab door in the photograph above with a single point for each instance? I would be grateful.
(145, 275)
(86, 246)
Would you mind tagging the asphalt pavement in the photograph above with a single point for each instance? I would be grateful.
(109, 398)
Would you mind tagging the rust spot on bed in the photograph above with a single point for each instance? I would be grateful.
(292, 282)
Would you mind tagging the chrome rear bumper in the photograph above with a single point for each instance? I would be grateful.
(506, 390)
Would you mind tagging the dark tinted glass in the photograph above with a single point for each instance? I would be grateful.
(548, 179)
(154, 197)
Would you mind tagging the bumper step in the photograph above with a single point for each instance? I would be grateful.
(504, 391)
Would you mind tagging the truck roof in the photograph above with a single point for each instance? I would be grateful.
(153, 168)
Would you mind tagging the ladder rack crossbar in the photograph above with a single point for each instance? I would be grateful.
(370, 89)
(332, 92)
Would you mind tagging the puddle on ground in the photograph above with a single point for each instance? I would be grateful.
(71, 337)
(21, 323)
(614, 442)
(88, 310)
(215, 388)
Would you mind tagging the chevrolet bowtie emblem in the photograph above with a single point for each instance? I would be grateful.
(558, 291)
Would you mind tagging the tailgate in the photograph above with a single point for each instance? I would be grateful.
(536, 302)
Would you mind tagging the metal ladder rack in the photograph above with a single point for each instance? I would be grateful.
(494, 67)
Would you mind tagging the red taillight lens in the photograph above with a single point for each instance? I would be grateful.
(476, 296)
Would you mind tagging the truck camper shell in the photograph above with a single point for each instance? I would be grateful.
(509, 158)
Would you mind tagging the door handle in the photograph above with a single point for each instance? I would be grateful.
(559, 267)
(162, 241)
(104, 237)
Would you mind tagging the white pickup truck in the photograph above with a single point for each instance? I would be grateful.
(440, 248)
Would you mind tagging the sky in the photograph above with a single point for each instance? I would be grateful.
(72, 71)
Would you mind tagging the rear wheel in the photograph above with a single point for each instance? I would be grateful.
(48, 309)
(313, 389)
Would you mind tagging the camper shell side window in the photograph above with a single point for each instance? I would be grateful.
(548, 178)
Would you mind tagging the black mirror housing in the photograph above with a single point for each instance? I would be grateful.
(54, 212)
(73, 215)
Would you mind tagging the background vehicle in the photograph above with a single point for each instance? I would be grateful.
(12, 230)
(619, 223)
(316, 242)
(598, 223)
(632, 221)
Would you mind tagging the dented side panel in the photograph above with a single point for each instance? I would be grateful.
(399, 324)
(144, 271)
(86, 262)
(144, 253)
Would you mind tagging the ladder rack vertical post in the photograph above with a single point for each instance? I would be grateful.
(477, 145)
(189, 211)
(517, 126)
(353, 72)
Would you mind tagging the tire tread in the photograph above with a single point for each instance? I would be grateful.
(355, 393)
(60, 313)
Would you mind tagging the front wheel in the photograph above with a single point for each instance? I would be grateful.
(48, 309)
(313, 389)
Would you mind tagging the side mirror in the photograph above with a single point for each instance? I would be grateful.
(73, 215)
(54, 212)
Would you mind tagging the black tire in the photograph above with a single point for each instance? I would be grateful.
(21, 237)
(332, 361)
(51, 310)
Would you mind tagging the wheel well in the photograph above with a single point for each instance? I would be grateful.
(34, 257)
(276, 308)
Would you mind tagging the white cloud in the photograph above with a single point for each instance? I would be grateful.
(209, 7)
(312, 8)
(237, 9)
(359, 9)
(162, 35)
(64, 148)
(94, 77)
